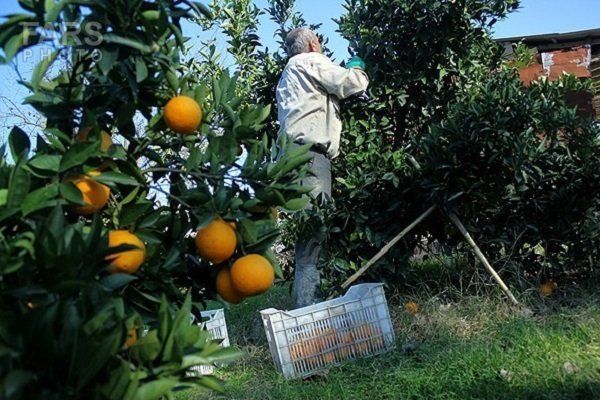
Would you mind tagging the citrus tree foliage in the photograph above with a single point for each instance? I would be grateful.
(427, 60)
(69, 326)
(526, 171)
(419, 56)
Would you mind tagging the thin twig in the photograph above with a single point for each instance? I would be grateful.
(177, 199)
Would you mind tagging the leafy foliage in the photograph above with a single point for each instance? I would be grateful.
(438, 96)
(67, 317)
(527, 168)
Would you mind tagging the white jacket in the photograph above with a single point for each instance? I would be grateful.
(308, 97)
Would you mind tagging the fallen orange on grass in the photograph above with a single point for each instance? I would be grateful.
(411, 307)
(547, 288)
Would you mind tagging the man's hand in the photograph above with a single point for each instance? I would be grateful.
(356, 62)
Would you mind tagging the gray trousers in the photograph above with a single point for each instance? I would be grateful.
(309, 247)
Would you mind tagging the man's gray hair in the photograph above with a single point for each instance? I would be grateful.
(298, 40)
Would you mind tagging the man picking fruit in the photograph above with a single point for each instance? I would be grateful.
(308, 96)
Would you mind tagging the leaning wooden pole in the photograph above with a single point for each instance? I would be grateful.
(481, 257)
(387, 247)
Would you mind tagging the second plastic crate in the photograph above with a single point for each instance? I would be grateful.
(309, 339)
(217, 329)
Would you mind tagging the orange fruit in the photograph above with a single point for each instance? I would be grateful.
(547, 288)
(252, 275)
(183, 115)
(216, 242)
(226, 289)
(131, 338)
(106, 140)
(411, 307)
(94, 194)
(128, 261)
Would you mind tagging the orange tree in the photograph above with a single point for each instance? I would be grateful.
(99, 270)
(518, 164)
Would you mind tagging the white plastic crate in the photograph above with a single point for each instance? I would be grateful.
(310, 339)
(217, 329)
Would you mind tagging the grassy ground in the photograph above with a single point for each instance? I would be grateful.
(478, 348)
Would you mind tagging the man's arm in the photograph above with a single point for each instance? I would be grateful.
(339, 81)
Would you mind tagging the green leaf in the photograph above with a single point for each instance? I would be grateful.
(18, 186)
(201, 9)
(141, 70)
(14, 44)
(110, 55)
(40, 70)
(39, 198)
(276, 266)
(3, 197)
(132, 212)
(56, 221)
(117, 281)
(128, 42)
(212, 383)
(46, 162)
(193, 159)
(78, 154)
(70, 193)
(247, 229)
(112, 177)
(297, 204)
(54, 10)
(19, 143)
(147, 348)
(172, 80)
(156, 389)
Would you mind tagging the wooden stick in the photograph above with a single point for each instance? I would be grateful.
(387, 247)
(481, 257)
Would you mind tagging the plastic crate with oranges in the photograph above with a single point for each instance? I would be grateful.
(310, 339)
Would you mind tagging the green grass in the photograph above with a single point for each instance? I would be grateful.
(460, 351)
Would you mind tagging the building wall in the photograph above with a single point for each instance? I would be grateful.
(553, 64)
(582, 61)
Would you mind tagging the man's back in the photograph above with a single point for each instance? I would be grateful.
(307, 99)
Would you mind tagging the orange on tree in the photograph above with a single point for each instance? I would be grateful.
(252, 275)
(94, 194)
(131, 338)
(183, 115)
(106, 140)
(216, 242)
(128, 261)
(225, 287)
